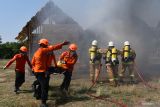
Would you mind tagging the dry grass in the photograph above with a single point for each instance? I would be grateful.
(131, 95)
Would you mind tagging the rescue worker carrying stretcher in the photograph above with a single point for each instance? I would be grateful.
(95, 61)
(112, 63)
(128, 58)
(67, 61)
(21, 60)
(39, 62)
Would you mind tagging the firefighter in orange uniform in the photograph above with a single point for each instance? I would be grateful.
(51, 57)
(67, 61)
(21, 60)
(50, 68)
(39, 62)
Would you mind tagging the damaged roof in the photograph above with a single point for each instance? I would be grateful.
(45, 12)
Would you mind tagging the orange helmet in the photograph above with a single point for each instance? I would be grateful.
(43, 41)
(23, 49)
(73, 47)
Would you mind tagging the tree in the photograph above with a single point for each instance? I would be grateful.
(9, 49)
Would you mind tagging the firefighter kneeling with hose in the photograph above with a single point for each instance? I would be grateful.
(128, 58)
(66, 62)
(112, 63)
(95, 61)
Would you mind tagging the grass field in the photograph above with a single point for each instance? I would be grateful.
(131, 95)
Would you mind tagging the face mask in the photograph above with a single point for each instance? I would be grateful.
(24, 53)
(73, 53)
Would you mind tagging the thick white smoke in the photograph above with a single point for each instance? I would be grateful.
(132, 20)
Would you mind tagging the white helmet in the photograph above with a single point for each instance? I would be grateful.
(110, 43)
(94, 42)
(126, 43)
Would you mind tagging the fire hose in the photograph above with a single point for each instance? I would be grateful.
(102, 98)
(142, 79)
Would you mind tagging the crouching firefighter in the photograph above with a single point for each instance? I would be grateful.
(39, 63)
(128, 58)
(112, 63)
(21, 60)
(95, 61)
(67, 61)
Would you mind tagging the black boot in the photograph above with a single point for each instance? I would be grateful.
(16, 90)
(43, 104)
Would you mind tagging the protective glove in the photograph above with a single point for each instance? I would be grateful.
(66, 43)
(73, 53)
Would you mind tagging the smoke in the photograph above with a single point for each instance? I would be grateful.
(107, 20)
(56, 26)
(132, 20)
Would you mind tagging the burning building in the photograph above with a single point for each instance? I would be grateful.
(52, 23)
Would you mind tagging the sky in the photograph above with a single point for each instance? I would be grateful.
(14, 14)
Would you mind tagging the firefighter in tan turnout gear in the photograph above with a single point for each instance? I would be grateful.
(128, 58)
(95, 61)
(112, 63)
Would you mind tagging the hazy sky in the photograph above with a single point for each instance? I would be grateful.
(15, 13)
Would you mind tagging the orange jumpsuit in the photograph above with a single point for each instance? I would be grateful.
(51, 57)
(20, 68)
(40, 58)
(40, 66)
(69, 58)
(20, 62)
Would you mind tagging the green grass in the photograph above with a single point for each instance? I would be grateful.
(132, 95)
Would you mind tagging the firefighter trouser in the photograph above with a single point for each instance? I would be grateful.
(112, 72)
(130, 68)
(66, 81)
(48, 79)
(36, 89)
(35, 84)
(43, 85)
(20, 79)
(52, 70)
(94, 71)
